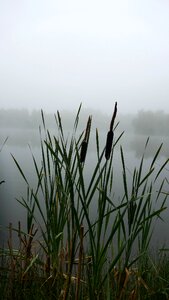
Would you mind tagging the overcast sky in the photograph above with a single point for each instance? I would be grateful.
(55, 54)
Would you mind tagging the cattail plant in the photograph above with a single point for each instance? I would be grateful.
(85, 141)
(110, 134)
(85, 248)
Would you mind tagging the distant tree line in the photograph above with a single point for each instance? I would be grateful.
(24, 119)
(151, 123)
(144, 122)
(21, 118)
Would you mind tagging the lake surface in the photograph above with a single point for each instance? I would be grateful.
(14, 186)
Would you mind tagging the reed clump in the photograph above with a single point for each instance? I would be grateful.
(66, 253)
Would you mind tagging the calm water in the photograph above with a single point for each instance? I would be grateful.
(14, 186)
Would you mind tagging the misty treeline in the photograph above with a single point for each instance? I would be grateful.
(21, 118)
(147, 123)
(25, 119)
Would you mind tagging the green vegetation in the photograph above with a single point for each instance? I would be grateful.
(64, 253)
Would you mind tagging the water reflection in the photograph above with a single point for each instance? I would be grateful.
(138, 142)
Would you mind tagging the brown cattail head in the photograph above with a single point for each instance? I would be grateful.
(83, 151)
(109, 143)
(110, 134)
(85, 141)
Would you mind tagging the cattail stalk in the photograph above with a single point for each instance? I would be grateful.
(85, 141)
(110, 134)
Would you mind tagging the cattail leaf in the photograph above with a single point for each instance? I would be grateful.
(43, 119)
(162, 167)
(97, 142)
(131, 213)
(117, 140)
(146, 177)
(4, 143)
(95, 178)
(124, 174)
(147, 141)
(139, 173)
(77, 117)
(59, 123)
(19, 168)
(156, 155)
(109, 143)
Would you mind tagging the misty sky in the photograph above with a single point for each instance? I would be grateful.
(55, 54)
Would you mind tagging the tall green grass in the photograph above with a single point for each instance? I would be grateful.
(65, 253)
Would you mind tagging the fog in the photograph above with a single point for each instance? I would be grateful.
(57, 54)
